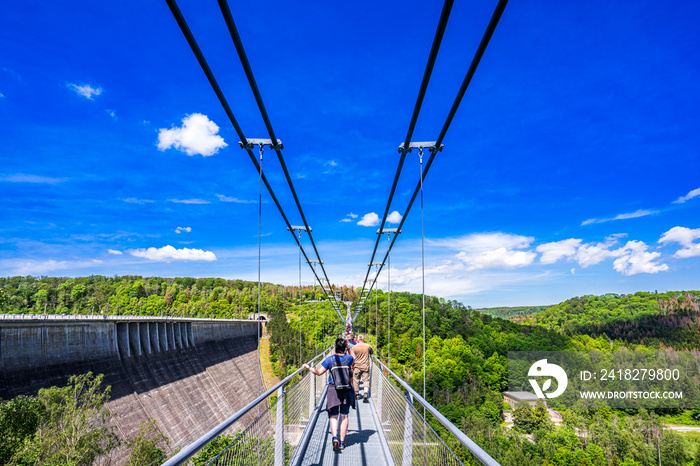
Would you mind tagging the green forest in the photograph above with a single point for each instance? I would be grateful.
(466, 353)
(512, 312)
(657, 320)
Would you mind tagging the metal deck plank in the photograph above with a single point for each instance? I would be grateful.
(363, 442)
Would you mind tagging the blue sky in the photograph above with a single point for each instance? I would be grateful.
(571, 167)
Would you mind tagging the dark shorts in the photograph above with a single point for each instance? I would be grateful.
(343, 409)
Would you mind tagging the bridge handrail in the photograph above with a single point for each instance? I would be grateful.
(306, 437)
(468, 443)
(192, 449)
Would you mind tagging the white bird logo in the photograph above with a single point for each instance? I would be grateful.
(542, 368)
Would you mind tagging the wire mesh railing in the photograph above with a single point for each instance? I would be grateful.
(409, 435)
(280, 417)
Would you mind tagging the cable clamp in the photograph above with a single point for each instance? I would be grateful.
(430, 145)
(252, 142)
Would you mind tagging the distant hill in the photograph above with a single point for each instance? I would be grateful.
(511, 313)
(670, 319)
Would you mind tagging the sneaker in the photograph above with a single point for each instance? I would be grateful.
(358, 396)
(342, 446)
(336, 444)
(366, 399)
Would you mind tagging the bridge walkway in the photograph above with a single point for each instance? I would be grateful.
(365, 443)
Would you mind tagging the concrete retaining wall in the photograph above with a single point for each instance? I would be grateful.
(187, 374)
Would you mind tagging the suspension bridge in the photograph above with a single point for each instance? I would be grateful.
(398, 426)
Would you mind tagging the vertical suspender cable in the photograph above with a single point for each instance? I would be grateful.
(301, 361)
(388, 324)
(315, 320)
(323, 330)
(376, 309)
(422, 263)
(257, 323)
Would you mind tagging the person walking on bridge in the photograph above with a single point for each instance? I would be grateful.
(362, 352)
(341, 395)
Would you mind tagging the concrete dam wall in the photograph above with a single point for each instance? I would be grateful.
(187, 374)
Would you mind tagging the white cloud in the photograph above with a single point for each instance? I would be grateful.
(630, 259)
(592, 254)
(500, 258)
(637, 214)
(189, 201)
(33, 267)
(111, 113)
(369, 220)
(349, 218)
(2, 96)
(414, 274)
(332, 163)
(692, 250)
(115, 252)
(480, 242)
(552, 252)
(687, 197)
(491, 250)
(179, 230)
(168, 253)
(197, 135)
(394, 217)
(85, 90)
(235, 200)
(685, 237)
(133, 200)
(22, 178)
(633, 259)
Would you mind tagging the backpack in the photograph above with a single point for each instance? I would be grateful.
(342, 377)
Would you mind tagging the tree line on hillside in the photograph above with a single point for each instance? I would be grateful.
(188, 297)
(512, 312)
(659, 320)
(152, 296)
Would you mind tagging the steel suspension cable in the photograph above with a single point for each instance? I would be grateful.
(182, 23)
(432, 57)
(238, 43)
(483, 44)
(485, 39)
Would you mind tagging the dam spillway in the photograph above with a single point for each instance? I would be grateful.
(187, 374)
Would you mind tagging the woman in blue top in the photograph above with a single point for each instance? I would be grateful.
(340, 396)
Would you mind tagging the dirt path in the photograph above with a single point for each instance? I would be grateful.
(682, 428)
(268, 374)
